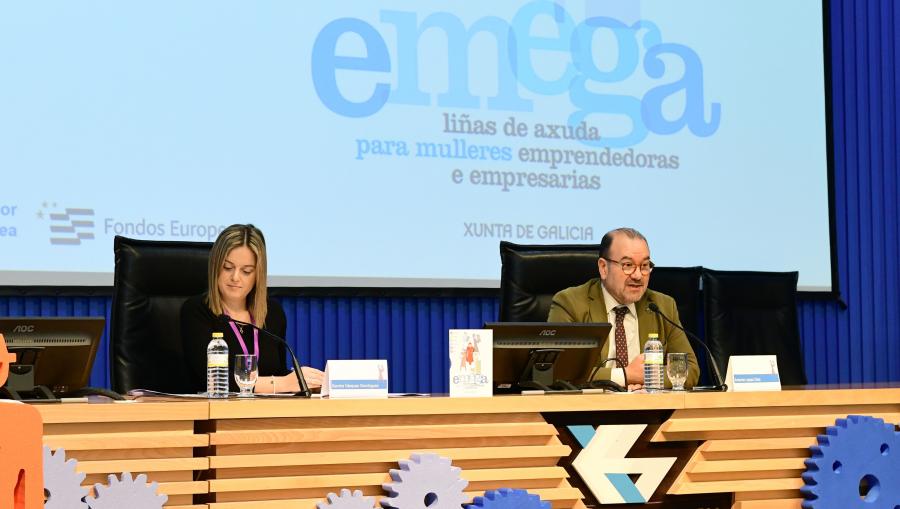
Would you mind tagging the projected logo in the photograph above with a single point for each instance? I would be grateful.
(69, 226)
(606, 471)
(632, 83)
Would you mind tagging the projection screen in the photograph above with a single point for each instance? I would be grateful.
(396, 143)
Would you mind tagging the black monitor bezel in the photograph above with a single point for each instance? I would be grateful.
(511, 360)
(59, 366)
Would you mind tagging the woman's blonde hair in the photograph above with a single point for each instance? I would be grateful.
(238, 235)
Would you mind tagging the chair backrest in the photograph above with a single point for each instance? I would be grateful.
(682, 284)
(532, 274)
(152, 281)
(754, 313)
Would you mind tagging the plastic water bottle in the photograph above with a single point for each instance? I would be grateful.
(217, 367)
(654, 368)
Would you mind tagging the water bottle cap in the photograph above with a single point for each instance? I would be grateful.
(218, 335)
(653, 335)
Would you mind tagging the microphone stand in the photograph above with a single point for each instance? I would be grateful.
(304, 389)
(719, 384)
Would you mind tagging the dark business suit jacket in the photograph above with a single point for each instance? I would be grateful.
(585, 304)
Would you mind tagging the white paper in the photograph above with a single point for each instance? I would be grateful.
(356, 379)
(748, 373)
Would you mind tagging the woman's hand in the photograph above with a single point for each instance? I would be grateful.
(289, 382)
(313, 377)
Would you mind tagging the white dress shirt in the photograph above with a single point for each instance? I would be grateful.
(630, 323)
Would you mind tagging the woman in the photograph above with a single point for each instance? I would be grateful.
(237, 290)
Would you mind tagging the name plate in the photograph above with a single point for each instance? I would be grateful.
(752, 373)
(356, 379)
(471, 363)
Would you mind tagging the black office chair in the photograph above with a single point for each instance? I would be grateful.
(152, 281)
(682, 284)
(531, 274)
(754, 313)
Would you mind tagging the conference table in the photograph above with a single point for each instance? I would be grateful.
(670, 449)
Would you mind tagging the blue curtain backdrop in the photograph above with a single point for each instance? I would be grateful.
(857, 344)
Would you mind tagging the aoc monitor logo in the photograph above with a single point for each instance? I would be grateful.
(68, 226)
(359, 83)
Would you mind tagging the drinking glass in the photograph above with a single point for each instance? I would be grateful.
(245, 374)
(676, 368)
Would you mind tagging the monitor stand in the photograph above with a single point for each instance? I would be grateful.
(538, 373)
(20, 386)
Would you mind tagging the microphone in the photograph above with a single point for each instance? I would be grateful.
(719, 385)
(304, 389)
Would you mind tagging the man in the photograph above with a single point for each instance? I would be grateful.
(620, 296)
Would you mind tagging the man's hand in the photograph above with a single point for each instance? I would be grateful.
(634, 372)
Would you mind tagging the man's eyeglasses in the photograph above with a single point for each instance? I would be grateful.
(628, 267)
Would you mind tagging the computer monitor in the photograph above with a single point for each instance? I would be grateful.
(545, 356)
(54, 355)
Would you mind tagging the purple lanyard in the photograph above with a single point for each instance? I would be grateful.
(240, 338)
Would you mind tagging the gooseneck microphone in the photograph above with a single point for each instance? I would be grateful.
(304, 389)
(717, 376)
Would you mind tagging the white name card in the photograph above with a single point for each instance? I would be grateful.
(752, 373)
(471, 363)
(356, 379)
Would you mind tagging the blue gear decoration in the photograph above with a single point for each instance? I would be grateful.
(855, 450)
(507, 498)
